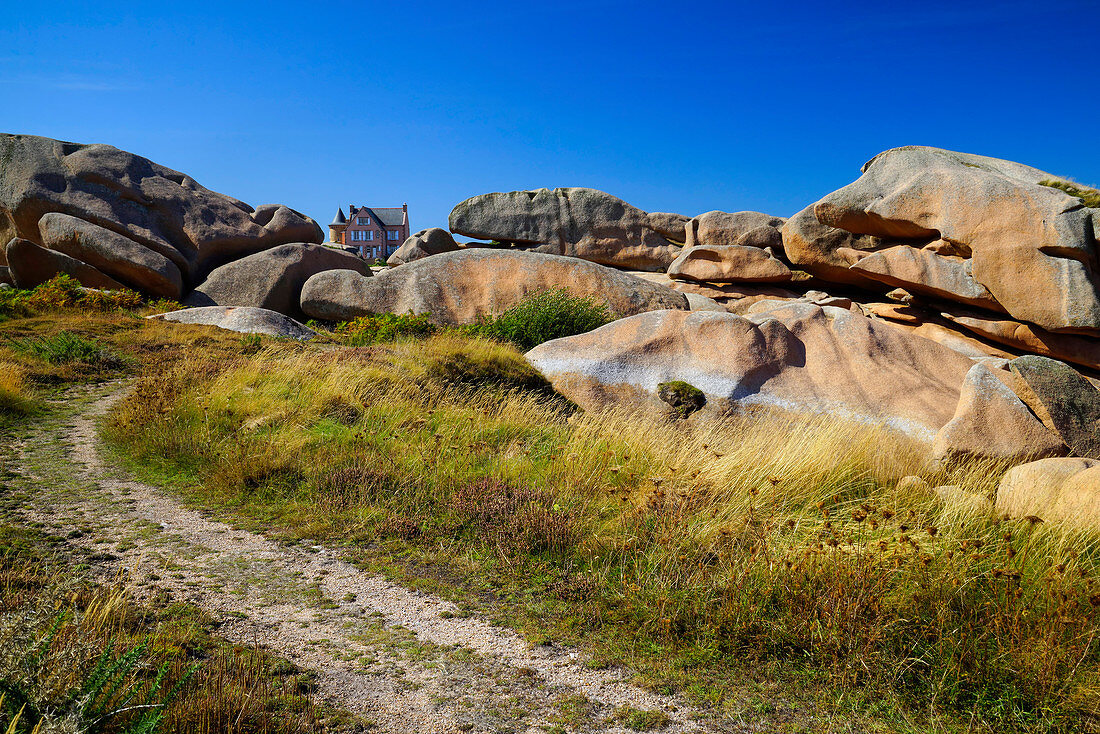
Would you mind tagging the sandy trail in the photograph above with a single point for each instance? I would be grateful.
(399, 658)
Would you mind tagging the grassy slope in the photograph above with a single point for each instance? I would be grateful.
(767, 554)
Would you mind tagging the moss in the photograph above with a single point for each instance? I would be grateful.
(684, 398)
(1090, 197)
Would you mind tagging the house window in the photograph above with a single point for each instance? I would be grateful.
(364, 221)
(369, 234)
(391, 234)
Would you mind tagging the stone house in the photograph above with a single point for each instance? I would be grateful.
(372, 232)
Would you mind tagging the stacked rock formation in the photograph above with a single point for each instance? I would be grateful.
(110, 219)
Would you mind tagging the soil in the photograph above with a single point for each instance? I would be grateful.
(398, 660)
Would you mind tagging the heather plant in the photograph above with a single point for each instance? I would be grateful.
(63, 291)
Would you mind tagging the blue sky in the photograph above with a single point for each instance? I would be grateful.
(673, 106)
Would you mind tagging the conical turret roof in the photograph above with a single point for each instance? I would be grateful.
(340, 218)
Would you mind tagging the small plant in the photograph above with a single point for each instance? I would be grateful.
(66, 347)
(1089, 196)
(113, 690)
(251, 343)
(384, 327)
(642, 720)
(543, 316)
(164, 305)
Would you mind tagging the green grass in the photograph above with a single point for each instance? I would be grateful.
(764, 551)
(66, 347)
(543, 316)
(1089, 196)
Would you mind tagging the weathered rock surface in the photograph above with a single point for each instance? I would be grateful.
(30, 265)
(426, 242)
(120, 257)
(272, 279)
(991, 422)
(827, 252)
(1063, 400)
(924, 272)
(1063, 490)
(243, 319)
(578, 222)
(1027, 338)
(462, 287)
(1030, 245)
(158, 209)
(794, 356)
(729, 264)
(747, 229)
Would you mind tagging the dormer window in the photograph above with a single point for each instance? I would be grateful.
(364, 221)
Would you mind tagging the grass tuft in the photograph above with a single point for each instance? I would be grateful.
(67, 347)
(1089, 196)
(543, 316)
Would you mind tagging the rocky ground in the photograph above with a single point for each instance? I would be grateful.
(400, 660)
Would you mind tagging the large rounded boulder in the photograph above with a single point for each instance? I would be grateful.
(465, 286)
(272, 279)
(425, 243)
(792, 356)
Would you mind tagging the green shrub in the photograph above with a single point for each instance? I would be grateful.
(62, 292)
(13, 302)
(66, 347)
(1089, 196)
(384, 327)
(543, 316)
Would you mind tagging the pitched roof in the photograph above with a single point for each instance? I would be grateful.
(392, 216)
(340, 218)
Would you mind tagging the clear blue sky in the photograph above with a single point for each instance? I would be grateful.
(674, 106)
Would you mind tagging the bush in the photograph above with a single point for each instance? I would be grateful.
(543, 316)
(384, 327)
(62, 292)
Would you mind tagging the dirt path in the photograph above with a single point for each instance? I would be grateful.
(406, 661)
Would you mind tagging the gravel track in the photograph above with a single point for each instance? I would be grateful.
(404, 660)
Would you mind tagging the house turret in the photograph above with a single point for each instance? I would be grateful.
(337, 227)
